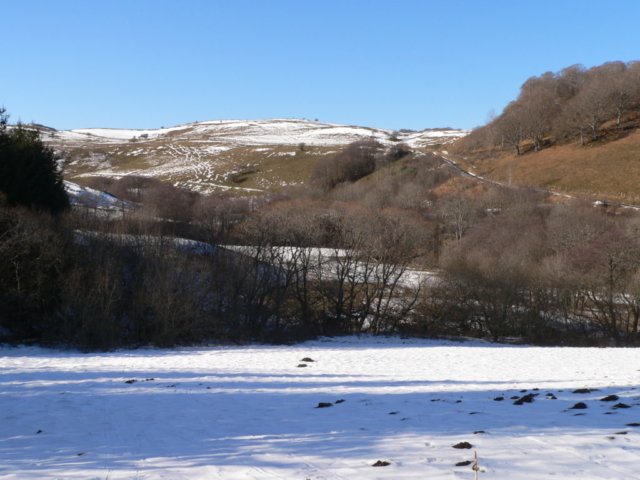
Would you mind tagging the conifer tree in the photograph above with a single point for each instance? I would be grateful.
(29, 173)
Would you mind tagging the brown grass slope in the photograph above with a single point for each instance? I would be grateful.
(606, 169)
(242, 167)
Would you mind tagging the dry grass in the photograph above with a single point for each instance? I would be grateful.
(277, 167)
(200, 160)
(242, 167)
(606, 169)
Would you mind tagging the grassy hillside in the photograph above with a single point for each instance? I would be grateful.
(575, 130)
(242, 167)
(240, 155)
(608, 168)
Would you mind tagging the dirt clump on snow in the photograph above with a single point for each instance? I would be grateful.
(528, 398)
(463, 445)
(585, 390)
(610, 398)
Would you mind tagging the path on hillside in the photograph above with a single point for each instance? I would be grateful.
(467, 173)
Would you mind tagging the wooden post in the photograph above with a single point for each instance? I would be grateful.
(475, 467)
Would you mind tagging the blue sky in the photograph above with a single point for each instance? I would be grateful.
(390, 64)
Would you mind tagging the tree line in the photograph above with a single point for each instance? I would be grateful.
(570, 105)
(548, 274)
(102, 284)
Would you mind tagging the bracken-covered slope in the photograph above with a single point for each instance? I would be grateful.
(607, 169)
(220, 154)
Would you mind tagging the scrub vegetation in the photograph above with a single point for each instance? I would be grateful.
(378, 239)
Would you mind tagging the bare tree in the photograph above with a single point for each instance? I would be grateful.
(394, 245)
(540, 105)
(570, 81)
(609, 268)
(624, 90)
(456, 212)
(513, 126)
(592, 105)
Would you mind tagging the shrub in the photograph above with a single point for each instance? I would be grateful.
(355, 161)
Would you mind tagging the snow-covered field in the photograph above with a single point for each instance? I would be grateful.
(250, 412)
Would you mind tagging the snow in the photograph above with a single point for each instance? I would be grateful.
(124, 134)
(93, 198)
(322, 260)
(199, 154)
(248, 412)
(183, 244)
(286, 132)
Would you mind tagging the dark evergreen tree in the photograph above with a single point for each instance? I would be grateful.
(29, 173)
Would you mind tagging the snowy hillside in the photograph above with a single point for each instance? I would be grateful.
(89, 197)
(256, 412)
(203, 156)
(289, 132)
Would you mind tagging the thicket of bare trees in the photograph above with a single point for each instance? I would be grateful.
(554, 274)
(103, 289)
(270, 268)
(354, 162)
(161, 199)
(503, 262)
(569, 105)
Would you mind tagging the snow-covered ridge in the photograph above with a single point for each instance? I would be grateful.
(258, 132)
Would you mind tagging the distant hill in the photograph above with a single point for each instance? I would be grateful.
(221, 154)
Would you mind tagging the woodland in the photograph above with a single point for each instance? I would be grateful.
(573, 104)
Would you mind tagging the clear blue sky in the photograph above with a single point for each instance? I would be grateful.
(391, 64)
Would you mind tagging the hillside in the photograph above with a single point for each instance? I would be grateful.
(576, 131)
(221, 154)
(605, 170)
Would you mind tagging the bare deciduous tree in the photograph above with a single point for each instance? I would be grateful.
(540, 105)
(456, 212)
(513, 126)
